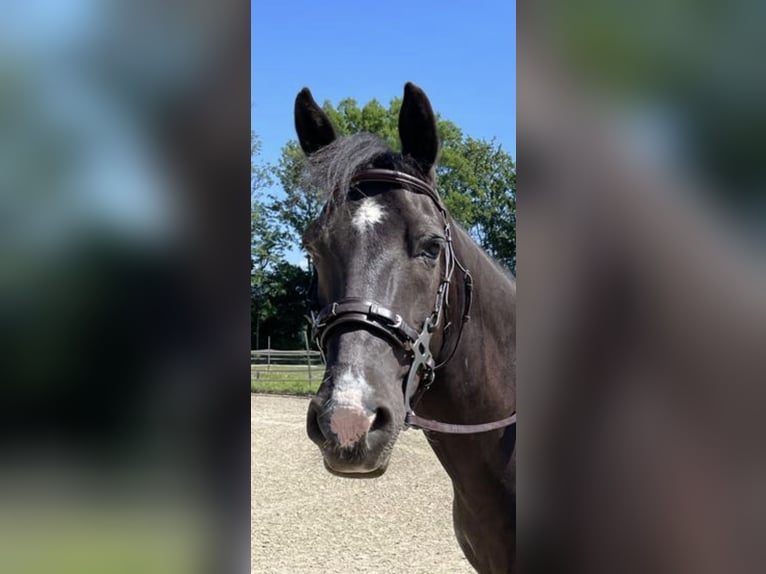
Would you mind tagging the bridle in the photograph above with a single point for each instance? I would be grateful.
(390, 325)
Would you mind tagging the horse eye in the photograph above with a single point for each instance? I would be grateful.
(432, 249)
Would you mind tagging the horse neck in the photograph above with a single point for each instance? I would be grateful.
(478, 384)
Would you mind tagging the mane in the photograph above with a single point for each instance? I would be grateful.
(329, 171)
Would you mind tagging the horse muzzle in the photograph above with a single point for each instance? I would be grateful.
(354, 440)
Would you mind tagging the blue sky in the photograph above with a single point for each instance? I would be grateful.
(463, 54)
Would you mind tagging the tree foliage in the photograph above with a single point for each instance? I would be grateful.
(278, 307)
(299, 206)
(267, 239)
(260, 174)
(478, 181)
(267, 244)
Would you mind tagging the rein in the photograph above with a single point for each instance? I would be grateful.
(390, 325)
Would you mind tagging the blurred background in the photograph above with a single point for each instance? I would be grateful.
(642, 286)
(687, 80)
(124, 286)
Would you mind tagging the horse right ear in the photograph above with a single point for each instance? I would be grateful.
(417, 128)
(314, 128)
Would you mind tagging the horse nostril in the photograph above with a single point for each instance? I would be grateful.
(382, 419)
(313, 428)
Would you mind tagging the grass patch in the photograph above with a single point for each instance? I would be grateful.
(284, 380)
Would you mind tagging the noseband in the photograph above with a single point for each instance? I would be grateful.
(390, 325)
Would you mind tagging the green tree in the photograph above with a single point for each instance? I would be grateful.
(282, 291)
(299, 206)
(260, 173)
(267, 240)
(478, 181)
(476, 177)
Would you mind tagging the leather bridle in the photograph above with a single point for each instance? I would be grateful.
(390, 325)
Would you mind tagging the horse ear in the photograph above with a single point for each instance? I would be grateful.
(417, 128)
(314, 128)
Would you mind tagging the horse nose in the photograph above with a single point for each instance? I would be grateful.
(342, 424)
(349, 423)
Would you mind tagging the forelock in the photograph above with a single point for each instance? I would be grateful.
(330, 170)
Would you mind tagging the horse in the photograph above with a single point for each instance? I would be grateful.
(410, 314)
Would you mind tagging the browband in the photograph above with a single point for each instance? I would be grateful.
(412, 183)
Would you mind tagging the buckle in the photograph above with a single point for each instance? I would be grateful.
(394, 320)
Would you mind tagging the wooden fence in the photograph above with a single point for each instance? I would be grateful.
(274, 366)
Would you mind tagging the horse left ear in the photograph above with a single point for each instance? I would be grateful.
(417, 128)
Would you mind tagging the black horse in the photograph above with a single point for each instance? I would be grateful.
(411, 315)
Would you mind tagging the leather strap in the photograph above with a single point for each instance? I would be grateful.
(411, 183)
(369, 313)
(415, 421)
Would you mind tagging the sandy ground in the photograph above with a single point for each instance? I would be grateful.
(304, 520)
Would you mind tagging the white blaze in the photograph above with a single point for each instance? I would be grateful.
(349, 389)
(368, 214)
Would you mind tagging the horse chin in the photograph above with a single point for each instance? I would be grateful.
(370, 468)
(368, 458)
(379, 471)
